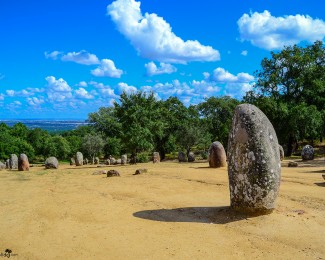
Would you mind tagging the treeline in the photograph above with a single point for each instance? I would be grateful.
(290, 90)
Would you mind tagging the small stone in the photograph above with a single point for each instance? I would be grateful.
(113, 173)
(156, 157)
(99, 172)
(124, 159)
(79, 159)
(307, 153)
(292, 164)
(51, 163)
(281, 152)
(13, 161)
(181, 157)
(191, 157)
(217, 155)
(139, 171)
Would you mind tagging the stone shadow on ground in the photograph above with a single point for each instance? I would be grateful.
(320, 184)
(212, 215)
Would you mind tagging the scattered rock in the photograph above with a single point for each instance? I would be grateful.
(72, 161)
(99, 172)
(292, 164)
(23, 163)
(191, 157)
(254, 167)
(79, 159)
(217, 155)
(139, 171)
(13, 161)
(113, 173)
(182, 157)
(112, 160)
(51, 163)
(96, 160)
(281, 151)
(2, 166)
(108, 162)
(307, 153)
(124, 159)
(118, 161)
(156, 157)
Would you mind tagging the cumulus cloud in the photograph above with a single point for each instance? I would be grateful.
(58, 89)
(10, 93)
(153, 37)
(165, 68)
(223, 76)
(83, 84)
(268, 32)
(107, 69)
(34, 101)
(123, 87)
(82, 93)
(81, 57)
(54, 55)
(244, 53)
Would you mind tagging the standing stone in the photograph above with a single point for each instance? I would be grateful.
(181, 157)
(217, 155)
(156, 157)
(307, 153)
(108, 162)
(112, 159)
(96, 160)
(86, 161)
(51, 163)
(8, 164)
(118, 161)
(254, 168)
(79, 159)
(13, 161)
(2, 166)
(72, 161)
(281, 151)
(23, 163)
(124, 159)
(191, 157)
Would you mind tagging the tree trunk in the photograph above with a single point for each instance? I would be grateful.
(290, 146)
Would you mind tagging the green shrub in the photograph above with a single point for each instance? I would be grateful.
(142, 157)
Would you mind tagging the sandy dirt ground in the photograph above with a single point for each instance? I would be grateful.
(174, 211)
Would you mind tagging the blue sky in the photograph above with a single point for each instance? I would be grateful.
(65, 59)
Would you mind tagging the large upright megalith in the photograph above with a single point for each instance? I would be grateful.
(79, 159)
(13, 161)
(254, 167)
(217, 155)
(23, 163)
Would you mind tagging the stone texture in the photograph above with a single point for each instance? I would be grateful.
(2, 166)
(124, 159)
(13, 161)
(292, 164)
(108, 162)
(191, 157)
(23, 163)
(113, 173)
(112, 160)
(139, 171)
(118, 161)
(217, 155)
(51, 163)
(281, 151)
(181, 157)
(254, 167)
(307, 153)
(79, 159)
(8, 164)
(156, 157)
(96, 160)
(72, 161)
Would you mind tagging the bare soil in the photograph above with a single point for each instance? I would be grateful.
(172, 211)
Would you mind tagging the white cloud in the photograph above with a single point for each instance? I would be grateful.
(58, 90)
(107, 69)
(165, 68)
(34, 101)
(54, 55)
(223, 76)
(82, 93)
(83, 84)
(2, 97)
(244, 53)
(153, 38)
(123, 87)
(10, 93)
(268, 32)
(81, 57)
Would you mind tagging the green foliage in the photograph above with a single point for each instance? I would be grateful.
(143, 157)
(291, 92)
(92, 145)
(113, 147)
